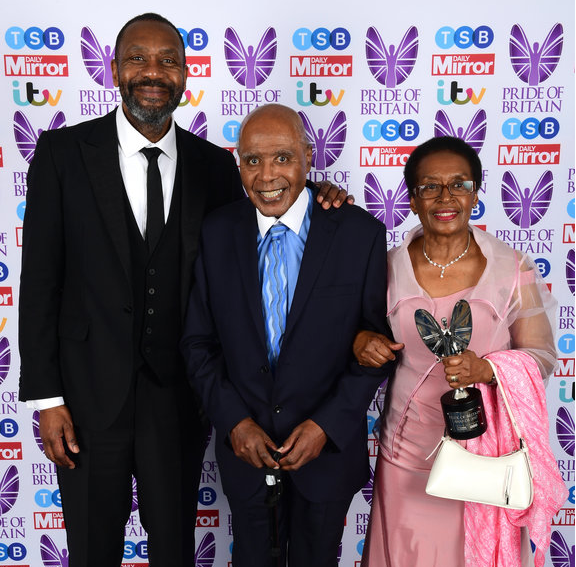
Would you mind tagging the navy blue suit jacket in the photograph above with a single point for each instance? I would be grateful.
(341, 288)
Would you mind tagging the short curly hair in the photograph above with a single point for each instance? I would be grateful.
(441, 144)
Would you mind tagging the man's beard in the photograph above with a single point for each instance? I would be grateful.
(150, 115)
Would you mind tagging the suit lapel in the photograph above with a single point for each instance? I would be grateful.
(193, 204)
(320, 238)
(100, 152)
(245, 234)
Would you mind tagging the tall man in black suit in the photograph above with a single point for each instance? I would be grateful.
(102, 304)
(308, 403)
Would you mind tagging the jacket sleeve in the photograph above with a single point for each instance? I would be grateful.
(340, 414)
(205, 363)
(41, 278)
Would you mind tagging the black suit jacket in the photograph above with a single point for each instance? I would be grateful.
(76, 318)
(341, 288)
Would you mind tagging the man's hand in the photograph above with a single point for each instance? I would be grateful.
(304, 444)
(57, 433)
(331, 195)
(374, 349)
(252, 445)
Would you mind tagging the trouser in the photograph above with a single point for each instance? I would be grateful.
(158, 439)
(309, 533)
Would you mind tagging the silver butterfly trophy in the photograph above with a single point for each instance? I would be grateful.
(463, 408)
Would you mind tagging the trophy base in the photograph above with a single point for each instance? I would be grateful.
(464, 417)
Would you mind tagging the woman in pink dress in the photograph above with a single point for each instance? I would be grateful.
(440, 262)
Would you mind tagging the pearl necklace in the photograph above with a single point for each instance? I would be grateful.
(449, 263)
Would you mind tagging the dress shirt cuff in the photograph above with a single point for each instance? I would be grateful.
(45, 403)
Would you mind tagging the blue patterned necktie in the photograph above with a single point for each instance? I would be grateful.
(275, 290)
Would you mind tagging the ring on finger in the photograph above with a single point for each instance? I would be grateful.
(453, 379)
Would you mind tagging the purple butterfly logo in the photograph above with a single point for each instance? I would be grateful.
(368, 488)
(328, 144)
(339, 554)
(97, 60)
(134, 495)
(204, 556)
(534, 64)
(26, 137)
(474, 135)
(565, 430)
(36, 429)
(9, 486)
(560, 553)
(570, 270)
(250, 67)
(4, 358)
(526, 208)
(51, 556)
(391, 66)
(199, 126)
(390, 207)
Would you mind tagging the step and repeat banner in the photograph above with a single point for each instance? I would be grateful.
(371, 81)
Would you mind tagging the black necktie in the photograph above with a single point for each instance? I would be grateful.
(155, 199)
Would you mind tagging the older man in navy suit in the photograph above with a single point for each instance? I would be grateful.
(282, 287)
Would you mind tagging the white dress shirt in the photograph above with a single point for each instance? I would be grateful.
(134, 165)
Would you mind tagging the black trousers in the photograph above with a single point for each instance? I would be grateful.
(309, 532)
(157, 438)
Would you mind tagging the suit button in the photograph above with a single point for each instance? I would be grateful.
(150, 311)
(277, 409)
(148, 330)
(151, 291)
(264, 369)
(151, 271)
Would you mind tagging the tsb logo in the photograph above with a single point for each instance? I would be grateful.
(196, 39)
(530, 128)
(391, 130)
(464, 37)
(34, 38)
(321, 39)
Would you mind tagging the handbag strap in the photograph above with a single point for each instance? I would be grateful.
(510, 414)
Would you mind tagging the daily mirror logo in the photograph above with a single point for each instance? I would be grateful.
(36, 65)
(475, 64)
(321, 66)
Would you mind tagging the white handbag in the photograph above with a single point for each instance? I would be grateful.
(504, 481)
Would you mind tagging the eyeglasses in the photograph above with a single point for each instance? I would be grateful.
(455, 188)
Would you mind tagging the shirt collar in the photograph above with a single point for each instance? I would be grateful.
(131, 141)
(292, 218)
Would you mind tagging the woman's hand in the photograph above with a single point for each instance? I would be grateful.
(466, 369)
(373, 349)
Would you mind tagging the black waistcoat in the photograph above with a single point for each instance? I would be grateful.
(156, 291)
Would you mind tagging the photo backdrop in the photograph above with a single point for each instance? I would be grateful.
(371, 80)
